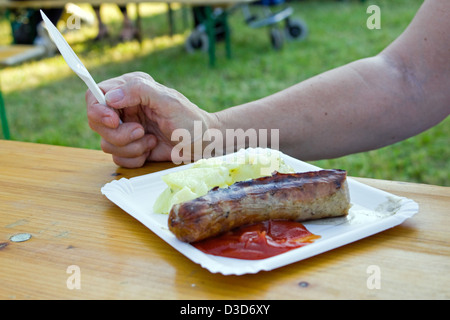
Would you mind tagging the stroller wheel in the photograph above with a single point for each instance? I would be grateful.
(197, 40)
(276, 38)
(296, 29)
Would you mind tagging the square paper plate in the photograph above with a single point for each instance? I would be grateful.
(372, 211)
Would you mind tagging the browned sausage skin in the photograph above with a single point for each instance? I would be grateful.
(292, 196)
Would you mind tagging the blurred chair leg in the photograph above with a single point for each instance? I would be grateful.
(4, 120)
(227, 35)
(139, 25)
(211, 31)
(170, 18)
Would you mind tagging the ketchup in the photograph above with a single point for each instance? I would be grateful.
(258, 241)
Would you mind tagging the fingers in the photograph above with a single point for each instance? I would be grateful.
(124, 134)
(124, 143)
(130, 163)
(100, 115)
(106, 122)
(133, 154)
(135, 92)
(127, 142)
(114, 93)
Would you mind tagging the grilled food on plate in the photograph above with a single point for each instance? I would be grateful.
(291, 196)
(219, 194)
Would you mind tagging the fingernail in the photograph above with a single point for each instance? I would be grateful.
(137, 133)
(114, 95)
(108, 121)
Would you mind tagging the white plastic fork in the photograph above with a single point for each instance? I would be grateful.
(72, 60)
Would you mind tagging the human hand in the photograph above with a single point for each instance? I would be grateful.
(150, 112)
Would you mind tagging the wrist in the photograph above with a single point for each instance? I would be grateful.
(213, 135)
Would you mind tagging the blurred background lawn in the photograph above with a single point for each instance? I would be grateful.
(45, 100)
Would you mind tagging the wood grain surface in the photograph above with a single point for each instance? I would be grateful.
(53, 194)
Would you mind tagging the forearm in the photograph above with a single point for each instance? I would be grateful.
(335, 113)
(366, 104)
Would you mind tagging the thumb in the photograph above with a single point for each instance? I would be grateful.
(133, 93)
(114, 98)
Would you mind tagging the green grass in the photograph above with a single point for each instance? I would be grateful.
(45, 100)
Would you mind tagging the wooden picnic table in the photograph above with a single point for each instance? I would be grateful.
(52, 194)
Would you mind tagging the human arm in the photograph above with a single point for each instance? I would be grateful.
(361, 106)
(366, 104)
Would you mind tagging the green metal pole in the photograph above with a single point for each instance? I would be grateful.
(227, 35)
(4, 120)
(211, 31)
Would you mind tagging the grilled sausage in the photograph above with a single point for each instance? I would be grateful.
(291, 196)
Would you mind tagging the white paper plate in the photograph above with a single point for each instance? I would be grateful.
(372, 211)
